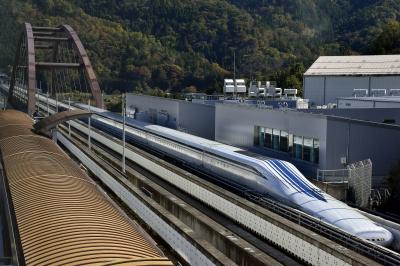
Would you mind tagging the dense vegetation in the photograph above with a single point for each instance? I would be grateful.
(184, 45)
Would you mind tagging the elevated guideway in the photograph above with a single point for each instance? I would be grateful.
(313, 246)
(189, 227)
(310, 246)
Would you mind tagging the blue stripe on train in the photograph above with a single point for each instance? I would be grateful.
(306, 188)
(301, 186)
(288, 179)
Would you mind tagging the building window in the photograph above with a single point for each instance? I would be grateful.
(315, 153)
(275, 139)
(284, 141)
(290, 144)
(299, 147)
(257, 137)
(268, 138)
(307, 149)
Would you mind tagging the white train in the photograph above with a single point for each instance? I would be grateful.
(277, 178)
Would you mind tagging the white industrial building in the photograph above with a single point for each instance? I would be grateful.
(332, 77)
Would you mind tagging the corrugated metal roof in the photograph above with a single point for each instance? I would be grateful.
(62, 217)
(355, 65)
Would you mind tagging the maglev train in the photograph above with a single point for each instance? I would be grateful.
(276, 178)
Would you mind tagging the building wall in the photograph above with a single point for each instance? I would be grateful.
(196, 119)
(350, 103)
(358, 140)
(385, 82)
(152, 109)
(343, 87)
(326, 89)
(339, 137)
(364, 103)
(235, 125)
(384, 104)
(314, 89)
(376, 115)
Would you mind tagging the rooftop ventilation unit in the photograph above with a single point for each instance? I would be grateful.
(290, 92)
(360, 92)
(274, 92)
(231, 87)
(378, 92)
(394, 92)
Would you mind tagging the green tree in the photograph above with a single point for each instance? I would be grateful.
(388, 41)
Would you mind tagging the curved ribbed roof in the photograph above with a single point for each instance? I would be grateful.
(62, 218)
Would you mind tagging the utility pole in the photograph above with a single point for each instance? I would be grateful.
(48, 108)
(56, 102)
(69, 122)
(234, 75)
(123, 131)
(89, 129)
(37, 102)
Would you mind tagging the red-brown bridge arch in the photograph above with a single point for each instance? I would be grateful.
(23, 84)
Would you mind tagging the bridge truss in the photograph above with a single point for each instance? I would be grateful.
(51, 60)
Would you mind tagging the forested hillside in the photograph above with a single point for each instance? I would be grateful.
(188, 45)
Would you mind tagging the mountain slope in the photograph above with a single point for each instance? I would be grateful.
(159, 45)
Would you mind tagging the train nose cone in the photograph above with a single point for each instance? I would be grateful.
(388, 238)
(382, 237)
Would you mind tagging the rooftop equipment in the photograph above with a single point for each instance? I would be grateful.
(378, 92)
(234, 86)
(360, 92)
(290, 92)
(274, 92)
(394, 92)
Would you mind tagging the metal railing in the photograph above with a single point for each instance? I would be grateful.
(358, 176)
(337, 175)
(379, 254)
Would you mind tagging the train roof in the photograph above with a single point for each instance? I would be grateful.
(92, 108)
(190, 139)
(179, 136)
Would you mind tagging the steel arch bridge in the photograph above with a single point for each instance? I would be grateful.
(51, 60)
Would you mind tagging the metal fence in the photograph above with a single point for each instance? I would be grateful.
(358, 176)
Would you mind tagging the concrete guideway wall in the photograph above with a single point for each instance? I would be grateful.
(181, 245)
(295, 239)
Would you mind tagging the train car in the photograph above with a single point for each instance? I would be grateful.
(276, 178)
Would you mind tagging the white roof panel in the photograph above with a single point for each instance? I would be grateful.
(355, 65)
